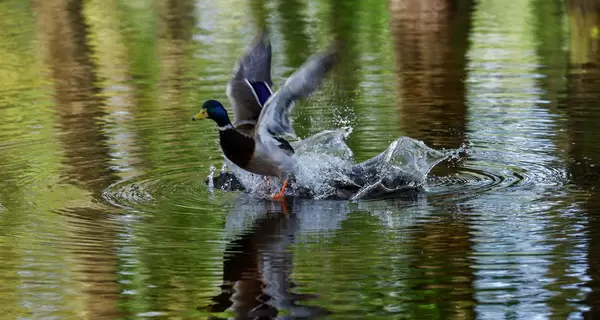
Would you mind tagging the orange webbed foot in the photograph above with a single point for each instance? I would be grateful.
(281, 194)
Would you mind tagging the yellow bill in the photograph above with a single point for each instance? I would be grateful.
(201, 115)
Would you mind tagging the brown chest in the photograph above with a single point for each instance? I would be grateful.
(237, 147)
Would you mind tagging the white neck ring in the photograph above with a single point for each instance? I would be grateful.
(223, 128)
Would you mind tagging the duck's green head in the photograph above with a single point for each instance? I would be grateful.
(213, 109)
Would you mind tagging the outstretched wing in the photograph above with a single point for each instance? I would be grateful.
(250, 84)
(274, 119)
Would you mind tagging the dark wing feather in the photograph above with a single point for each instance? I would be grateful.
(274, 118)
(262, 91)
(253, 67)
(285, 146)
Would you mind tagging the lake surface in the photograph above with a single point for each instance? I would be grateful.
(104, 213)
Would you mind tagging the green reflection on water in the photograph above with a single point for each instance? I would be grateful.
(96, 96)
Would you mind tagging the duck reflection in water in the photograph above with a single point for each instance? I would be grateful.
(257, 267)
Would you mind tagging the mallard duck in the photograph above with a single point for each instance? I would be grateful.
(256, 142)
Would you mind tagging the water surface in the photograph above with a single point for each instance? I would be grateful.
(104, 213)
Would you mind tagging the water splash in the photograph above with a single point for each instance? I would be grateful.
(404, 164)
(326, 169)
(211, 182)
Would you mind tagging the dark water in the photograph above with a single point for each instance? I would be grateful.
(103, 209)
